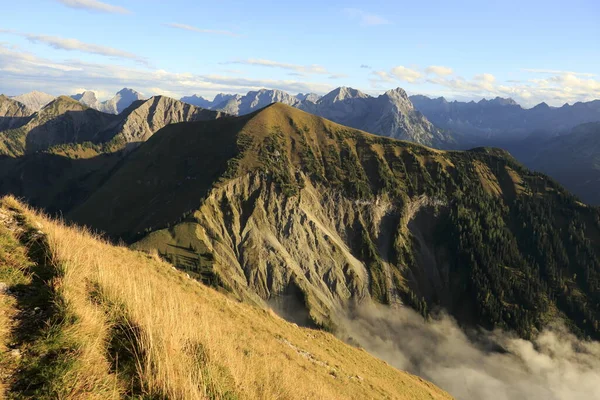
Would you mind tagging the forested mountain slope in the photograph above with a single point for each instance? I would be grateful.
(286, 207)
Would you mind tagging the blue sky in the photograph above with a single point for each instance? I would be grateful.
(530, 50)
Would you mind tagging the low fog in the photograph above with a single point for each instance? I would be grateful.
(488, 365)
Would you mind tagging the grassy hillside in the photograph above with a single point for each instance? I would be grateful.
(84, 319)
(282, 205)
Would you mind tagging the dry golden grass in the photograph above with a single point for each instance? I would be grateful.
(178, 339)
(488, 180)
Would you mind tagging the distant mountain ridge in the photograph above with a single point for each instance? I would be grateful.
(501, 117)
(572, 159)
(116, 105)
(67, 121)
(34, 100)
(391, 114)
(13, 114)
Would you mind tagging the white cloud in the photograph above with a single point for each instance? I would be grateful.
(383, 76)
(406, 74)
(557, 89)
(439, 70)
(554, 87)
(199, 30)
(301, 69)
(77, 45)
(23, 72)
(364, 18)
(94, 5)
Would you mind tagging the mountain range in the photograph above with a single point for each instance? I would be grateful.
(285, 209)
(68, 121)
(116, 105)
(501, 119)
(284, 203)
(390, 114)
(572, 159)
(457, 125)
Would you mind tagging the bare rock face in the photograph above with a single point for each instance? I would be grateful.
(12, 113)
(312, 97)
(122, 100)
(34, 100)
(143, 118)
(87, 98)
(119, 103)
(398, 119)
(241, 105)
(391, 114)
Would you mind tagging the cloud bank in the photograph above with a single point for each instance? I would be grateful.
(77, 45)
(23, 71)
(483, 365)
(545, 85)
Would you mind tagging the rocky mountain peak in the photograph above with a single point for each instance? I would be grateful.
(34, 100)
(12, 113)
(198, 101)
(343, 93)
(397, 93)
(88, 98)
(312, 97)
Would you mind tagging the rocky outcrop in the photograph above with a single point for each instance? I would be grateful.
(34, 100)
(116, 105)
(256, 100)
(12, 113)
(143, 118)
(87, 98)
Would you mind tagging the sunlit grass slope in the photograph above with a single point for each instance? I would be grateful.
(123, 324)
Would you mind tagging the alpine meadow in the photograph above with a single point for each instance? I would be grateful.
(197, 201)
